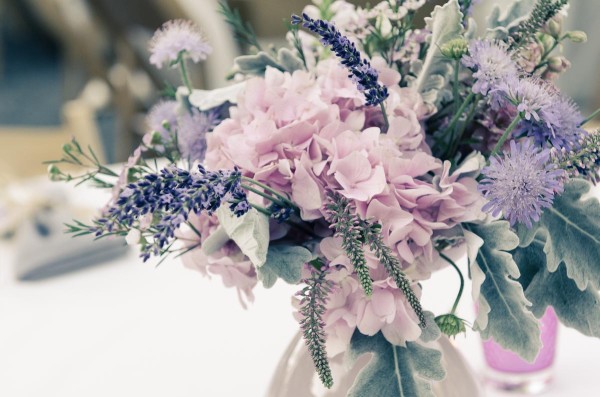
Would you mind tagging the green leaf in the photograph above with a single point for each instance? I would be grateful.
(445, 24)
(394, 370)
(575, 308)
(431, 332)
(572, 228)
(509, 322)
(500, 24)
(285, 262)
(257, 64)
(250, 232)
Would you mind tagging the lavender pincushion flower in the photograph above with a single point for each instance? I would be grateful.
(561, 127)
(532, 97)
(361, 71)
(521, 184)
(175, 38)
(491, 63)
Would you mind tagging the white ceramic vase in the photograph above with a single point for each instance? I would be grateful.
(295, 375)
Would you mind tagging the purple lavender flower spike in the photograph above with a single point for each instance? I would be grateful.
(175, 38)
(491, 63)
(521, 184)
(172, 194)
(361, 71)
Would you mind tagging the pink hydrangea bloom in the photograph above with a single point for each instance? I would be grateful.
(301, 133)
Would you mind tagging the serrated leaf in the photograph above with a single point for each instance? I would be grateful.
(572, 228)
(500, 24)
(445, 24)
(509, 322)
(250, 232)
(394, 370)
(575, 308)
(285, 262)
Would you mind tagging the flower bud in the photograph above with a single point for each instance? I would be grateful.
(67, 148)
(455, 49)
(554, 28)
(156, 138)
(577, 36)
(55, 173)
(547, 42)
(450, 325)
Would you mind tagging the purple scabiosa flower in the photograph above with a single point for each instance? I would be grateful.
(532, 97)
(361, 71)
(561, 127)
(521, 184)
(176, 38)
(192, 128)
(491, 63)
(162, 115)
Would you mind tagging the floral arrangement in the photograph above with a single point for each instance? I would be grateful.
(361, 159)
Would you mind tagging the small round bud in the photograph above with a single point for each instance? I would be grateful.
(67, 147)
(555, 64)
(577, 36)
(55, 173)
(450, 325)
(547, 42)
(156, 138)
(455, 49)
(554, 28)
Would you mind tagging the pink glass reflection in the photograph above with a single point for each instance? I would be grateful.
(503, 360)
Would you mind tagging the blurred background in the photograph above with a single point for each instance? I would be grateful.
(80, 68)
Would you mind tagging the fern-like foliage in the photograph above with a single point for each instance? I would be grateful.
(348, 226)
(313, 298)
(392, 265)
(542, 12)
(242, 30)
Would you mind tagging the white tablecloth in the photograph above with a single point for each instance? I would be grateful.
(126, 328)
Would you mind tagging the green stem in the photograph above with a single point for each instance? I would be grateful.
(261, 209)
(455, 85)
(184, 74)
(264, 195)
(456, 143)
(462, 282)
(461, 110)
(270, 190)
(590, 118)
(385, 118)
(505, 135)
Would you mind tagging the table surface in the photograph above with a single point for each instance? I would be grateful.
(126, 328)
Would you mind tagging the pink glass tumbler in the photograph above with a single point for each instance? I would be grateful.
(507, 371)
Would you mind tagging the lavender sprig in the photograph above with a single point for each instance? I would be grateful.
(347, 225)
(173, 193)
(361, 71)
(392, 265)
(313, 298)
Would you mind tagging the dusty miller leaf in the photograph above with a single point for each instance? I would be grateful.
(286, 61)
(499, 26)
(445, 24)
(250, 232)
(575, 308)
(394, 370)
(572, 229)
(285, 262)
(510, 323)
